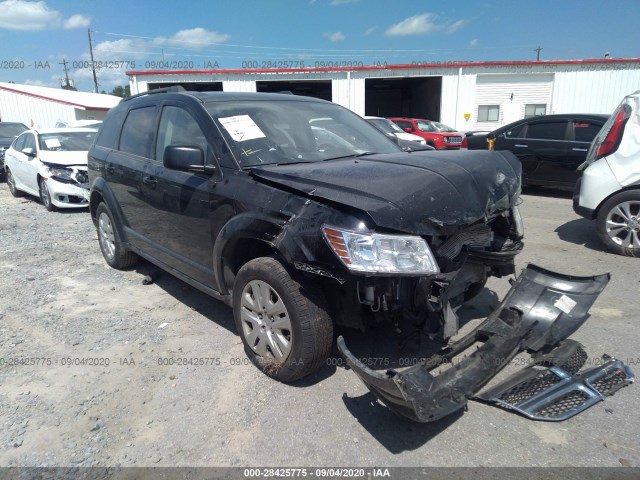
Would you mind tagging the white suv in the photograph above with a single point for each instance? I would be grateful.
(609, 190)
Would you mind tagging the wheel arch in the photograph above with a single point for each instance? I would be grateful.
(628, 188)
(100, 192)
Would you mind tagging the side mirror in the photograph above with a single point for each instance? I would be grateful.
(29, 152)
(187, 158)
(408, 129)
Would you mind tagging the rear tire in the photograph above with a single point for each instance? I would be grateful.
(282, 321)
(113, 249)
(618, 223)
(11, 183)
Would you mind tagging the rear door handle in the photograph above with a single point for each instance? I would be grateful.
(520, 145)
(579, 149)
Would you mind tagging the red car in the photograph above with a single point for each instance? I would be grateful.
(438, 135)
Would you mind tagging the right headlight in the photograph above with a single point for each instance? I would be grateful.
(380, 253)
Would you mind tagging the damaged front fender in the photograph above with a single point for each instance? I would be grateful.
(541, 309)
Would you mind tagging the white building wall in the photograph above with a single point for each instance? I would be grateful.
(32, 111)
(580, 89)
(349, 92)
(511, 92)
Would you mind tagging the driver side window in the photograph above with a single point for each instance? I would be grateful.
(178, 127)
(30, 142)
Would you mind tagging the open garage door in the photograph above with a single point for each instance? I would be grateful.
(191, 86)
(418, 97)
(310, 88)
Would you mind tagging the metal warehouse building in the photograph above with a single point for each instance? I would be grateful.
(43, 106)
(464, 95)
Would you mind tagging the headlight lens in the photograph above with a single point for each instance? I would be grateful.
(379, 253)
(61, 173)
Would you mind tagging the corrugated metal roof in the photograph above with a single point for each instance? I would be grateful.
(85, 100)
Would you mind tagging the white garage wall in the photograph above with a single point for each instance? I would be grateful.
(238, 86)
(349, 93)
(593, 89)
(32, 111)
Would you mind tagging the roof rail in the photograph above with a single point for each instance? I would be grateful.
(172, 88)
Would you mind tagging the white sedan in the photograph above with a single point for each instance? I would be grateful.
(51, 164)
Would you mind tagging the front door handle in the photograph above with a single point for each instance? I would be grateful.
(579, 149)
(520, 145)
(110, 169)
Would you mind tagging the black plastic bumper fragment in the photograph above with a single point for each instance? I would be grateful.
(555, 390)
(541, 309)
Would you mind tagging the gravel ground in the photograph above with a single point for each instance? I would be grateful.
(97, 387)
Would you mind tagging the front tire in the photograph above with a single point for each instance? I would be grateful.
(618, 223)
(113, 249)
(11, 183)
(283, 323)
(45, 196)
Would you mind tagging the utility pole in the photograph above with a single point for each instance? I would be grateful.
(538, 50)
(66, 73)
(93, 65)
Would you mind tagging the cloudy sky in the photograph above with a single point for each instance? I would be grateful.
(36, 36)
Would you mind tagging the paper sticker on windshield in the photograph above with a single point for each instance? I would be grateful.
(241, 128)
(52, 142)
(565, 304)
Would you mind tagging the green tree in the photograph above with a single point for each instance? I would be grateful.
(123, 92)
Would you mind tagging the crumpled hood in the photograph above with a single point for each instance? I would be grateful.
(421, 193)
(63, 158)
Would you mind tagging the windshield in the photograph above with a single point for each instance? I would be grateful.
(9, 130)
(289, 131)
(67, 141)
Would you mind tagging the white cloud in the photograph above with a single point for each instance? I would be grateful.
(132, 53)
(424, 24)
(192, 38)
(370, 31)
(24, 15)
(455, 26)
(335, 37)
(473, 43)
(77, 21)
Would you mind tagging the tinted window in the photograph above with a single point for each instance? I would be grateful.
(18, 144)
(110, 130)
(547, 130)
(178, 127)
(516, 132)
(137, 132)
(585, 131)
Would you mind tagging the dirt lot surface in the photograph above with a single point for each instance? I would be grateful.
(99, 369)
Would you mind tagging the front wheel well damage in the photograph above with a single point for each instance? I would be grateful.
(94, 200)
(239, 252)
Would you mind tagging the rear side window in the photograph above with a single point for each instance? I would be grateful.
(110, 130)
(585, 131)
(547, 131)
(138, 132)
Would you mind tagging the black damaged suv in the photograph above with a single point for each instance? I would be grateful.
(300, 215)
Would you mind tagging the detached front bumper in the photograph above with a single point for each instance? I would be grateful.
(541, 309)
